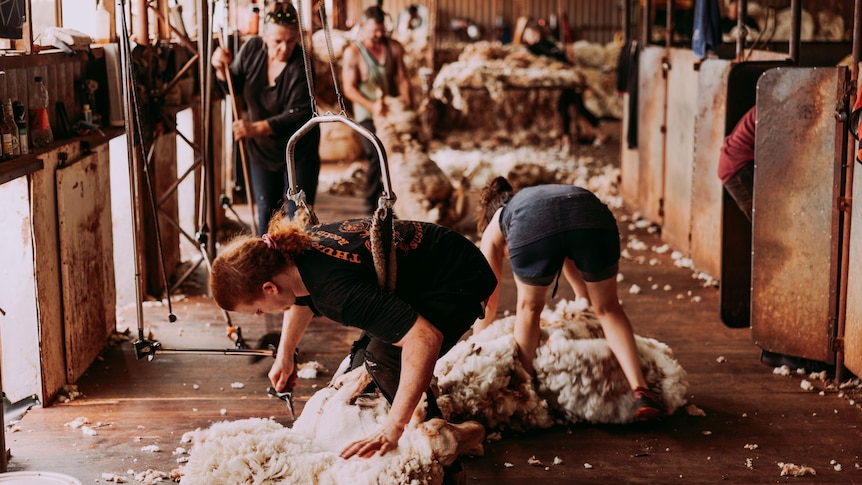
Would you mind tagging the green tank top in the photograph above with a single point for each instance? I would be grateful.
(380, 76)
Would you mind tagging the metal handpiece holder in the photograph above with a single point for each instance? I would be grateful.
(382, 230)
(297, 195)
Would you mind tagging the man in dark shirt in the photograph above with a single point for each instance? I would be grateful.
(441, 285)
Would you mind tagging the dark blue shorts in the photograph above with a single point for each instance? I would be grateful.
(596, 253)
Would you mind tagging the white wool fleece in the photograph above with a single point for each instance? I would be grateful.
(579, 379)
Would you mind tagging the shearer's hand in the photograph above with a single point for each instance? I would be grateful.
(382, 441)
(282, 374)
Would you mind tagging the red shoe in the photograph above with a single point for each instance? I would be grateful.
(647, 405)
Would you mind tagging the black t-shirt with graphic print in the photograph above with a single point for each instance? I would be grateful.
(440, 275)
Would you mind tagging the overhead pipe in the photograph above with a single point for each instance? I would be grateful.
(141, 27)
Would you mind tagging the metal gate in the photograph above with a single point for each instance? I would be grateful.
(735, 229)
(796, 220)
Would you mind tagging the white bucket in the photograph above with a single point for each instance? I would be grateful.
(37, 478)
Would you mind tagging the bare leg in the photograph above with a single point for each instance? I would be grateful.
(618, 329)
(531, 302)
(573, 276)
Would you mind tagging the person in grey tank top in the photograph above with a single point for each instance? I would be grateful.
(373, 67)
(546, 231)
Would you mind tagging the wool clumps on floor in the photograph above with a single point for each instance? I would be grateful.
(482, 386)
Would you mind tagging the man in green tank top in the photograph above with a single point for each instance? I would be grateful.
(374, 65)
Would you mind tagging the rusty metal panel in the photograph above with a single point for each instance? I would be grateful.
(86, 255)
(709, 135)
(853, 321)
(795, 221)
(682, 81)
(652, 93)
(735, 272)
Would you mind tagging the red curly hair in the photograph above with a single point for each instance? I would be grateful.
(246, 263)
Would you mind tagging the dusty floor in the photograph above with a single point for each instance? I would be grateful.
(753, 419)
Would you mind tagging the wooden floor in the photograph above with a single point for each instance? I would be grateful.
(753, 420)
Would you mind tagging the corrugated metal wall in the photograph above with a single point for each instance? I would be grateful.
(592, 20)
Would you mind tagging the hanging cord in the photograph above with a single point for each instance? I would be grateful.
(330, 52)
(306, 61)
(134, 119)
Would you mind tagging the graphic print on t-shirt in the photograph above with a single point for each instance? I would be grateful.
(343, 240)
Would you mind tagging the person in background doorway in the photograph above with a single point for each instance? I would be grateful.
(540, 45)
(269, 73)
(736, 162)
(441, 284)
(551, 229)
(373, 67)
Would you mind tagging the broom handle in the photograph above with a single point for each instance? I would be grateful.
(241, 146)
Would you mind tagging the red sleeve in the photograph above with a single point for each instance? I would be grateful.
(738, 147)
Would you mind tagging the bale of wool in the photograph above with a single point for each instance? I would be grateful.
(262, 451)
(339, 143)
(340, 40)
(495, 68)
(830, 26)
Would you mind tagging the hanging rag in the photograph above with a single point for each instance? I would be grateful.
(67, 40)
(707, 27)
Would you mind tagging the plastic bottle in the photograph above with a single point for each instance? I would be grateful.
(14, 148)
(6, 153)
(40, 127)
(20, 112)
(87, 113)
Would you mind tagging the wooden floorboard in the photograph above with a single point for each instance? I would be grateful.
(142, 402)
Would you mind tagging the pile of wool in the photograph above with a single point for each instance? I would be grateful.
(495, 68)
(262, 451)
(578, 378)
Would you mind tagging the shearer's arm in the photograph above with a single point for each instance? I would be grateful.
(419, 350)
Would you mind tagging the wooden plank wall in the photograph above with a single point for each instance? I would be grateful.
(61, 73)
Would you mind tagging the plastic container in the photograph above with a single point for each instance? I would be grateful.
(40, 127)
(37, 478)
